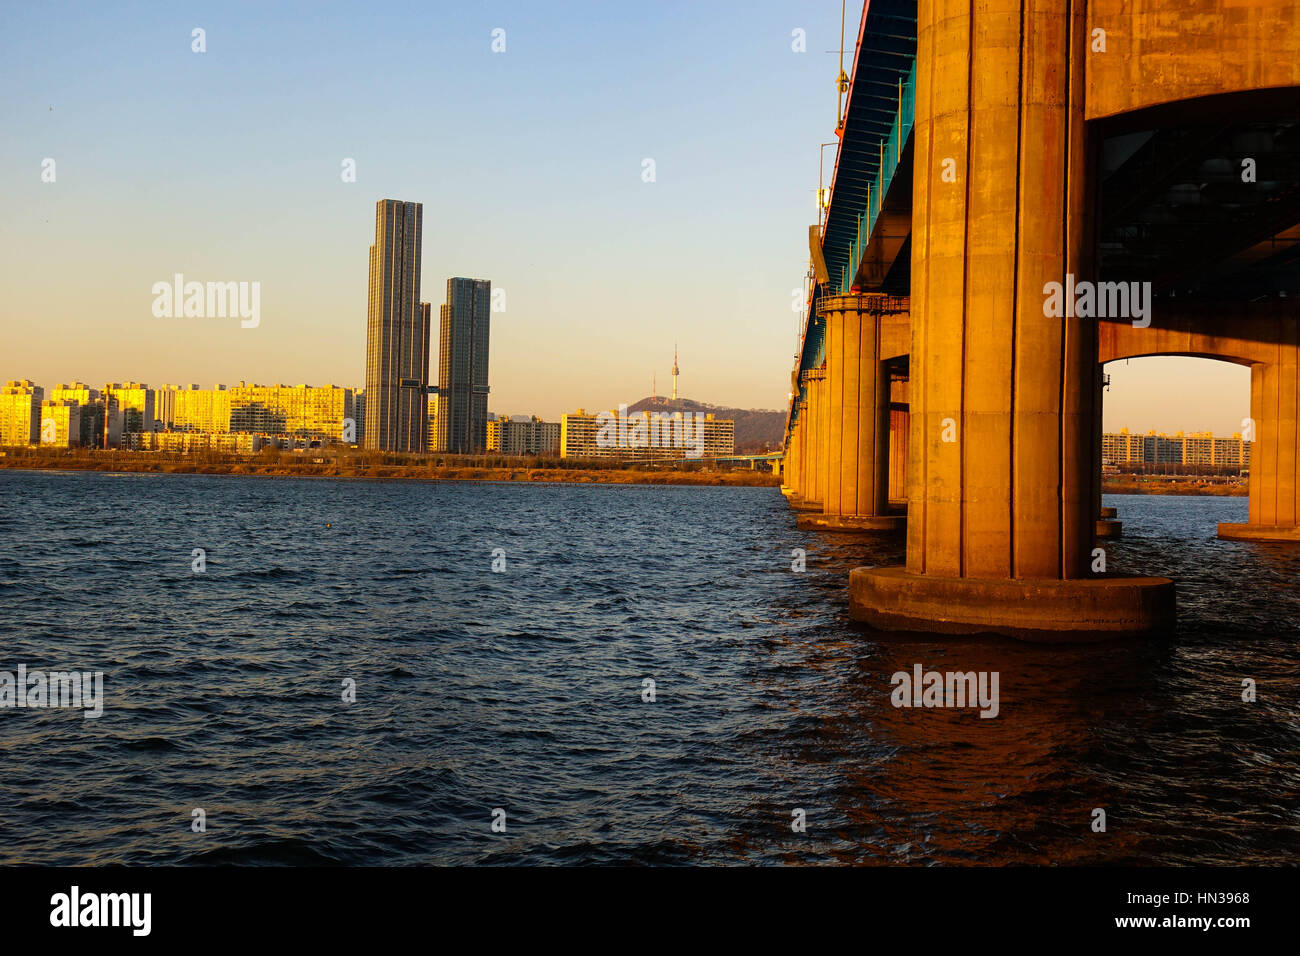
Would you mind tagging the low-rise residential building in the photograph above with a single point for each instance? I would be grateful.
(187, 443)
(1199, 448)
(645, 436)
(509, 435)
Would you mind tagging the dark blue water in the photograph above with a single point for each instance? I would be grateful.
(521, 690)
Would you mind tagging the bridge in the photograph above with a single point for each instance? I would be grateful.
(1023, 191)
(767, 460)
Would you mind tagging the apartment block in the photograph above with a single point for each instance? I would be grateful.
(20, 412)
(201, 409)
(187, 443)
(305, 411)
(60, 424)
(1199, 448)
(523, 436)
(359, 416)
(135, 401)
(645, 436)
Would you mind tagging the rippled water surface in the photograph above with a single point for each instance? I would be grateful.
(522, 690)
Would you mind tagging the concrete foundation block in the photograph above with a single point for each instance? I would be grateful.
(1078, 609)
(1259, 532)
(803, 504)
(865, 523)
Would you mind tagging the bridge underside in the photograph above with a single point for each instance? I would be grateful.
(1208, 210)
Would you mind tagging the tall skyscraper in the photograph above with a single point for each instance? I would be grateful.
(397, 333)
(463, 367)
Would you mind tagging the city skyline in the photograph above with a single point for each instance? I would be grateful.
(1133, 410)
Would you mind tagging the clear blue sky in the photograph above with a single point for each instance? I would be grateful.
(225, 166)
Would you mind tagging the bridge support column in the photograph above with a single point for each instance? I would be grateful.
(856, 386)
(1108, 526)
(794, 463)
(1275, 456)
(1000, 512)
(790, 466)
(804, 482)
(821, 422)
(799, 500)
(813, 451)
(899, 432)
(810, 500)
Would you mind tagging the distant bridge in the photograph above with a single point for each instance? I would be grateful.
(771, 459)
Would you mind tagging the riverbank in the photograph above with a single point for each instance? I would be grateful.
(380, 466)
(1131, 485)
(362, 468)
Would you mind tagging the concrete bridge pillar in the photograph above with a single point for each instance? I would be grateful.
(802, 499)
(794, 461)
(801, 428)
(856, 410)
(899, 432)
(1108, 524)
(1275, 457)
(822, 424)
(790, 465)
(794, 466)
(1001, 483)
(814, 449)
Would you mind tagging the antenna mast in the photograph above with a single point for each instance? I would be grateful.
(841, 81)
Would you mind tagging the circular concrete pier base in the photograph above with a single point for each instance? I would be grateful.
(1110, 528)
(1077, 609)
(1109, 512)
(1259, 532)
(876, 523)
(803, 504)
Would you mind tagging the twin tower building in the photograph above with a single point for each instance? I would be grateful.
(398, 412)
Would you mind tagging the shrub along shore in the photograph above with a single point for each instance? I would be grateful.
(1148, 485)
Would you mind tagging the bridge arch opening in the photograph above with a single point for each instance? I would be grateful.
(1176, 425)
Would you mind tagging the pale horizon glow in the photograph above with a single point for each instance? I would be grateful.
(1174, 393)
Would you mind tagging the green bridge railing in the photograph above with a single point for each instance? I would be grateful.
(891, 153)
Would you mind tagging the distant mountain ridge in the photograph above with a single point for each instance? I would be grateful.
(757, 429)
